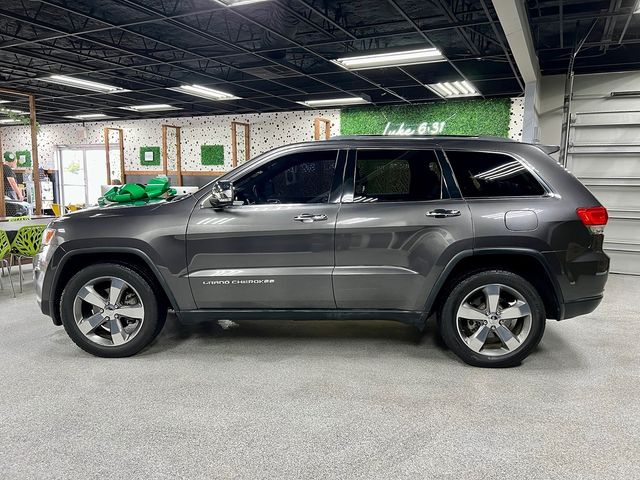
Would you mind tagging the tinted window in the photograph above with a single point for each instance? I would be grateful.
(304, 177)
(482, 174)
(397, 176)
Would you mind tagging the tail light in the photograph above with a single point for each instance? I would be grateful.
(594, 218)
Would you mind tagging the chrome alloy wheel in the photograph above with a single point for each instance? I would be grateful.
(108, 311)
(494, 320)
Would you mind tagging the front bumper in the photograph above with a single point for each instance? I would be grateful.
(43, 273)
(39, 269)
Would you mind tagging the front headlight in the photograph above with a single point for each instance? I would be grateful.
(47, 236)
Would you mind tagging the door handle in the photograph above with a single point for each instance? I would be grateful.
(310, 217)
(443, 213)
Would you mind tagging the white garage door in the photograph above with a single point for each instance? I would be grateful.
(604, 154)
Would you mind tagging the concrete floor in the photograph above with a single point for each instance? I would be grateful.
(321, 400)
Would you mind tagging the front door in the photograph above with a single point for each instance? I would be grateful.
(397, 230)
(83, 172)
(275, 249)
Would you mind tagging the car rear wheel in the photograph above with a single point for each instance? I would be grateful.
(492, 319)
(110, 310)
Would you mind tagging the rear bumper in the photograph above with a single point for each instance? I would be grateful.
(581, 307)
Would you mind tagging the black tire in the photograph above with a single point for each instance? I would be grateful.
(155, 311)
(448, 322)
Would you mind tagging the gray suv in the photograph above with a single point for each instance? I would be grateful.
(489, 236)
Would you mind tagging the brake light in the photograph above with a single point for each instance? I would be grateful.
(594, 218)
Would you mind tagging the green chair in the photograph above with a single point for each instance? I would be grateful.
(26, 245)
(5, 248)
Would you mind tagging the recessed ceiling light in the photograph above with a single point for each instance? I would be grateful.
(233, 3)
(89, 116)
(396, 59)
(150, 108)
(19, 112)
(83, 84)
(204, 92)
(335, 101)
(454, 89)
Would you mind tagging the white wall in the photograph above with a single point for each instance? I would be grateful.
(268, 130)
(590, 92)
(551, 101)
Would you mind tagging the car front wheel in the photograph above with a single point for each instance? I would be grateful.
(110, 310)
(492, 318)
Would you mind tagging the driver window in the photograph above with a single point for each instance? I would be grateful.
(304, 177)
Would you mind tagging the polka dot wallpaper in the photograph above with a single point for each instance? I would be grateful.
(268, 130)
(516, 118)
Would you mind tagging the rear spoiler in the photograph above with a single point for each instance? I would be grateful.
(548, 149)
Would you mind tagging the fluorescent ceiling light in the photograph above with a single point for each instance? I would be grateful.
(150, 108)
(397, 59)
(233, 3)
(335, 101)
(89, 116)
(628, 93)
(4, 101)
(8, 120)
(19, 112)
(454, 89)
(84, 84)
(204, 92)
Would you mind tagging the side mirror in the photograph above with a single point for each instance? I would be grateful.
(222, 195)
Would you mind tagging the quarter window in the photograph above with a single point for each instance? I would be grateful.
(397, 176)
(304, 177)
(482, 174)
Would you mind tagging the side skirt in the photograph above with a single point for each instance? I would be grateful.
(199, 316)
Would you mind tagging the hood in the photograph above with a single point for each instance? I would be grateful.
(141, 207)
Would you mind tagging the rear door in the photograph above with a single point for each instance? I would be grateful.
(275, 250)
(400, 223)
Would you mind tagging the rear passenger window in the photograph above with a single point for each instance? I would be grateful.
(397, 176)
(481, 174)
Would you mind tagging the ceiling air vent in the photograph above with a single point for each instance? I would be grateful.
(271, 72)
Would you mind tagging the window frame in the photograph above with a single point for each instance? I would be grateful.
(548, 192)
(349, 183)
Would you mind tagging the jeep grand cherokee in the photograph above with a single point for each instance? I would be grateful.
(489, 236)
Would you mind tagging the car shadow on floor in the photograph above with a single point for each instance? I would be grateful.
(331, 337)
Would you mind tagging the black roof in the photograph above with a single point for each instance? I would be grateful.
(273, 54)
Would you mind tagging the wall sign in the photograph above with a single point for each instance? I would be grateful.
(150, 156)
(23, 159)
(453, 117)
(425, 128)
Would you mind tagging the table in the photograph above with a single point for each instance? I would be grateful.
(12, 227)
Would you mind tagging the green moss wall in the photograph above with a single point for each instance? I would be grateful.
(460, 117)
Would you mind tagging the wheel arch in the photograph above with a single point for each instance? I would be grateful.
(75, 260)
(529, 264)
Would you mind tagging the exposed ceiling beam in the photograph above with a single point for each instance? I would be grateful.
(515, 24)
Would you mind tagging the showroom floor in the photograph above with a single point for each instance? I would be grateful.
(320, 400)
